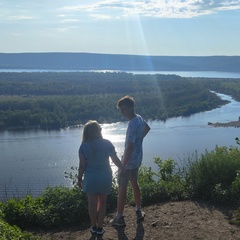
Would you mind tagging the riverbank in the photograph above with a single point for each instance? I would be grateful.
(228, 124)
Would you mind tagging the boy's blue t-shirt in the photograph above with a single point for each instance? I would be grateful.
(135, 135)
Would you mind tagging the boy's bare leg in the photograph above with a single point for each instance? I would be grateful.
(136, 193)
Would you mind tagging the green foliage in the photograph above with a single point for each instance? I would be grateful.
(57, 206)
(211, 177)
(22, 212)
(152, 193)
(73, 175)
(165, 184)
(214, 176)
(236, 217)
(225, 86)
(166, 169)
(57, 100)
(235, 188)
(64, 206)
(8, 232)
(170, 179)
(237, 140)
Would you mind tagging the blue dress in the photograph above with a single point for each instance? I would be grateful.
(98, 172)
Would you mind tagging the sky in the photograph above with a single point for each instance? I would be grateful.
(138, 27)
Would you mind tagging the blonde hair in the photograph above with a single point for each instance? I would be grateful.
(91, 131)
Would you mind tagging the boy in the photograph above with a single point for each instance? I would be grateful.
(131, 160)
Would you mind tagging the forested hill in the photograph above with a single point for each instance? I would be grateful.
(91, 61)
(52, 100)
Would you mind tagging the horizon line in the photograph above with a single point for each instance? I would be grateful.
(121, 54)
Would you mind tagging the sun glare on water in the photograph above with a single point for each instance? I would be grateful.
(115, 133)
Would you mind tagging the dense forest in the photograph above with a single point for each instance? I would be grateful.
(51, 100)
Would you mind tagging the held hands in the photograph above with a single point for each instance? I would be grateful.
(122, 171)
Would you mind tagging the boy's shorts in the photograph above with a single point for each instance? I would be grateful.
(129, 175)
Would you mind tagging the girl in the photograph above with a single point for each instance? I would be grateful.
(94, 154)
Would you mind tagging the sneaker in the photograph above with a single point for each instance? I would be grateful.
(100, 231)
(93, 229)
(140, 214)
(118, 222)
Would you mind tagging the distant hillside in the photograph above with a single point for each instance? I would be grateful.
(92, 61)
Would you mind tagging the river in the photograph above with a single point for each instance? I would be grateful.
(205, 74)
(31, 160)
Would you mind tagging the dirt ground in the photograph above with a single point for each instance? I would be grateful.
(184, 220)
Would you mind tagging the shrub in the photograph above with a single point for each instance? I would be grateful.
(152, 193)
(235, 188)
(236, 217)
(211, 176)
(22, 212)
(8, 232)
(57, 206)
(167, 183)
(64, 206)
(149, 187)
(171, 179)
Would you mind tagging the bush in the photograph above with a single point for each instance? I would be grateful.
(235, 188)
(211, 177)
(57, 206)
(8, 232)
(236, 217)
(22, 212)
(167, 183)
(171, 179)
(64, 206)
(215, 176)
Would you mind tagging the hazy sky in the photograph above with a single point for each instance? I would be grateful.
(150, 27)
